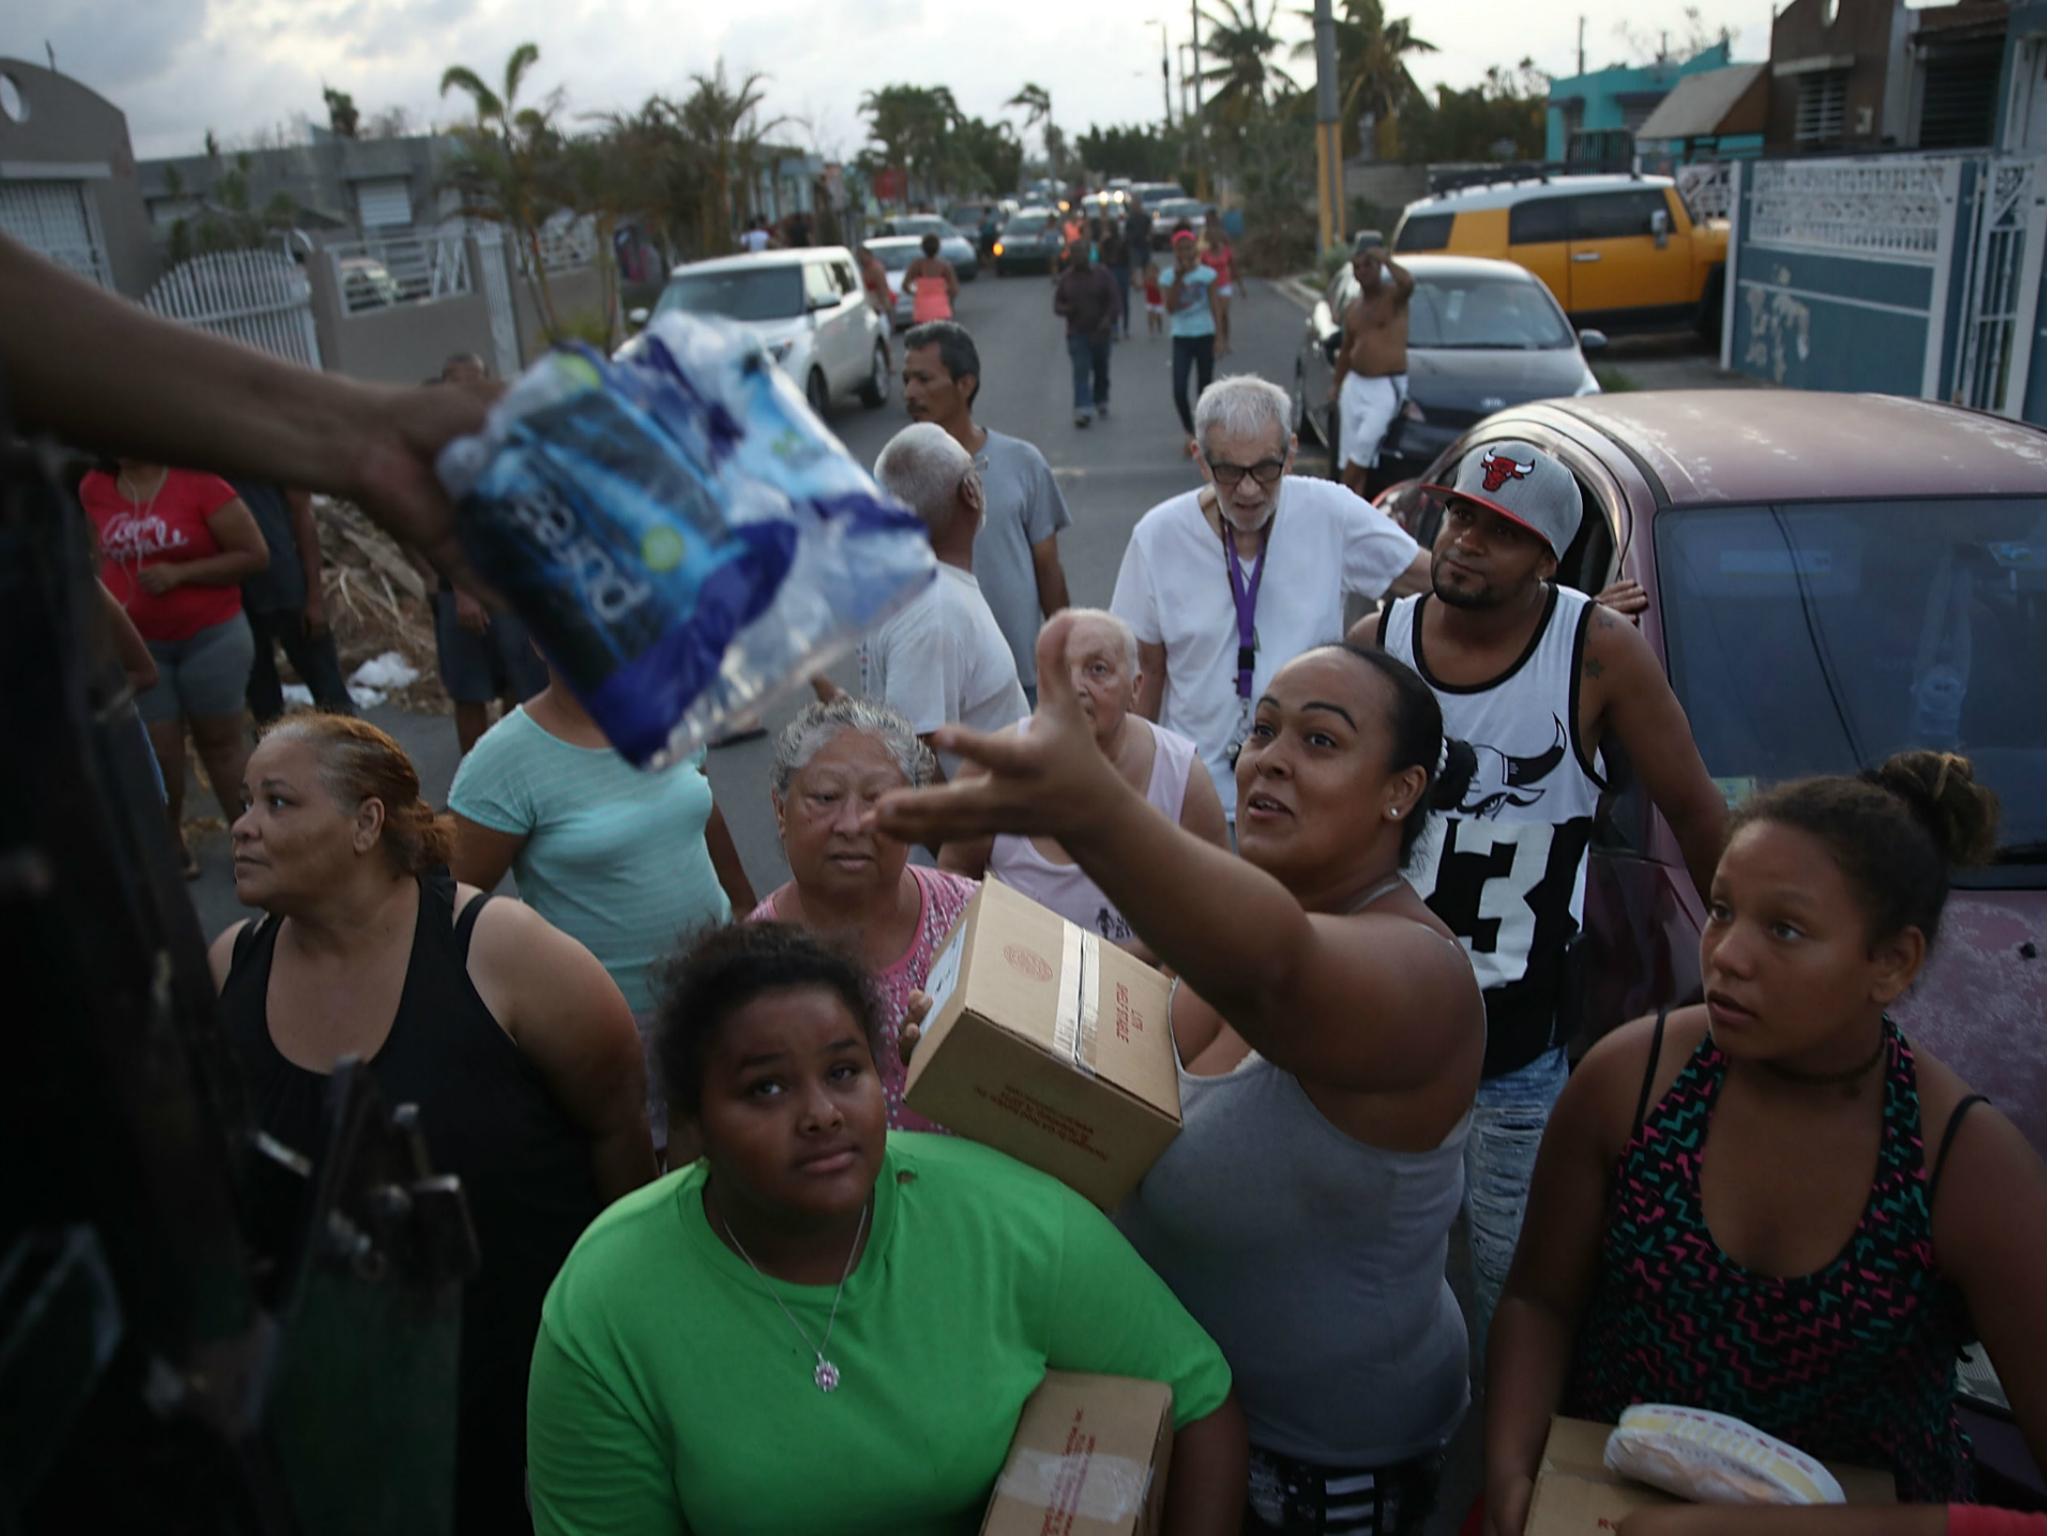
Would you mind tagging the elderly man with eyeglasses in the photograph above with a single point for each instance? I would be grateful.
(1226, 584)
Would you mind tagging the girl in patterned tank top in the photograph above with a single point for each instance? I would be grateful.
(1668, 1256)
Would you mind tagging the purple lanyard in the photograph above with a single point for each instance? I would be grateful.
(1247, 602)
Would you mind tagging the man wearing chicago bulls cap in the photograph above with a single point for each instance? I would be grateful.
(1537, 677)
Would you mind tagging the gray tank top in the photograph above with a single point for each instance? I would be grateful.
(1316, 1263)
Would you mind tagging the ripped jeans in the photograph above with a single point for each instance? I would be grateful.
(1507, 1126)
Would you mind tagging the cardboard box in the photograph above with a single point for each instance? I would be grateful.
(1577, 1496)
(1089, 1459)
(1049, 1044)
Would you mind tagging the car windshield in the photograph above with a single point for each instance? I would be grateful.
(1484, 312)
(749, 293)
(925, 226)
(1822, 638)
(894, 258)
(1024, 224)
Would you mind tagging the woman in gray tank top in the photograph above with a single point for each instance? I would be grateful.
(1330, 1034)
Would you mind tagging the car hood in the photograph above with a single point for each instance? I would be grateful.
(1978, 1002)
(1479, 382)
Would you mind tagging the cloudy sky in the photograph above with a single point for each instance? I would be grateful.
(179, 67)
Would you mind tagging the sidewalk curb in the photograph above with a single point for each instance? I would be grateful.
(1297, 290)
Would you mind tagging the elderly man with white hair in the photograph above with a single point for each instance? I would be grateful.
(1226, 584)
(1163, 766)
(942, 660)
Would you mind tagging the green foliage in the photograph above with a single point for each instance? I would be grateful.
(1372, 73)
(1241, 76)
(1501, 118)
(342, 115)
(1143, 152)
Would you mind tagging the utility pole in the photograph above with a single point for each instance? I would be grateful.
(1329, 133)
(1582, 45)
(1195, 122)
(1165, 73)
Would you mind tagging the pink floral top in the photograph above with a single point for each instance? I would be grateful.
(941, 899)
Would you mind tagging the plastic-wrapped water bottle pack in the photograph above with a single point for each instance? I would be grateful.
(682, 535)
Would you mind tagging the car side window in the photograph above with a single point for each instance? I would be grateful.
(1615, 215)
(1540, 220)
(844, 273)
(819, 289)
(1340, 294)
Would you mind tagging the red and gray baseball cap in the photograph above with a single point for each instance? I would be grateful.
(1523, 484)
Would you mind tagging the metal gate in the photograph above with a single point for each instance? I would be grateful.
(2001, 285)
(259, 298)
(56, 219)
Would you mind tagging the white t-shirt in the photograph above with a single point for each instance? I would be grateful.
(943, 661)
(1173, 590)
(755, 240)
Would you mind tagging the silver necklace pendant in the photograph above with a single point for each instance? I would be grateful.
(826, 1375)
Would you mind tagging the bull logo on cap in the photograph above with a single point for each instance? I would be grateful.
(1500, 469)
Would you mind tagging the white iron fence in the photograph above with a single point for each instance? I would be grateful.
(1890, 208)
(2002, 285)
(405, 266)
(565, 244)
(1705, 186)
(259, 298)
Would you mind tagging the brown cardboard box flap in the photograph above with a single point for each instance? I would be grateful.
(1076, 997)
(1089, 1458)
(1049, 1045)
(1577, 1496)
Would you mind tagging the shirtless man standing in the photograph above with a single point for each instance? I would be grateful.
(1371, 382)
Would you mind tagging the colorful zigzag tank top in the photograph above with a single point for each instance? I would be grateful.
(1853, 1363)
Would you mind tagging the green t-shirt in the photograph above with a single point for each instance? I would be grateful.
(670, 1393)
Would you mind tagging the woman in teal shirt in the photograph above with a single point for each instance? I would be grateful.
(623, 861)
(824, 1326)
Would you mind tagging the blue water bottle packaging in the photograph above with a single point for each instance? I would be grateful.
(685, 539)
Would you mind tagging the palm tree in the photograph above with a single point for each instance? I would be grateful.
(1035, 102)
(914, 124)
(1371, 72)
(504, 170)
(723, 122)
(1242, 46)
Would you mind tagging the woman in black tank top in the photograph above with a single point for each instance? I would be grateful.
(508, 1034)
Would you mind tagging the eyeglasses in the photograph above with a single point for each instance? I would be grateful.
(1266, 472)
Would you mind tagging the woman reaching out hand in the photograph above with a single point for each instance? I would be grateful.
(1330, 1034)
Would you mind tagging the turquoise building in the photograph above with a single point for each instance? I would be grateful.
(1593, 118)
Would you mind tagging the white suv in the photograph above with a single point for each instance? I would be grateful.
(808, 308)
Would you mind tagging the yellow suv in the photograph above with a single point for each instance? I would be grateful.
(1618, 252)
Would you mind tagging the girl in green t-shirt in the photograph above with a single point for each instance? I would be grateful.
(822, 1325)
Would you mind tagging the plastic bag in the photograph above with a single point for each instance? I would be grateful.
(684, 538)
(1712, 1458)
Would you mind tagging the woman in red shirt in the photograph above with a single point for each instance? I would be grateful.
(175, 547)
(1218, 255)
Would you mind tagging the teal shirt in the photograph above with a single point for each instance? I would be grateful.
(1192, 318)
(614, 857)
(669, 1391)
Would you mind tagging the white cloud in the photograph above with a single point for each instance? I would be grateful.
(179, 67)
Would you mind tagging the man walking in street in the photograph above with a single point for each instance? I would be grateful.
(1370, 385)
(1137, 254)
(1539, 679)
(1087, 296)
(1191, 314)
(1017, 554)
(285, 605)
(1225, 585)
(941, 660)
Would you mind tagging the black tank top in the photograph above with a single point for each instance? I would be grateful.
(489, 1119)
